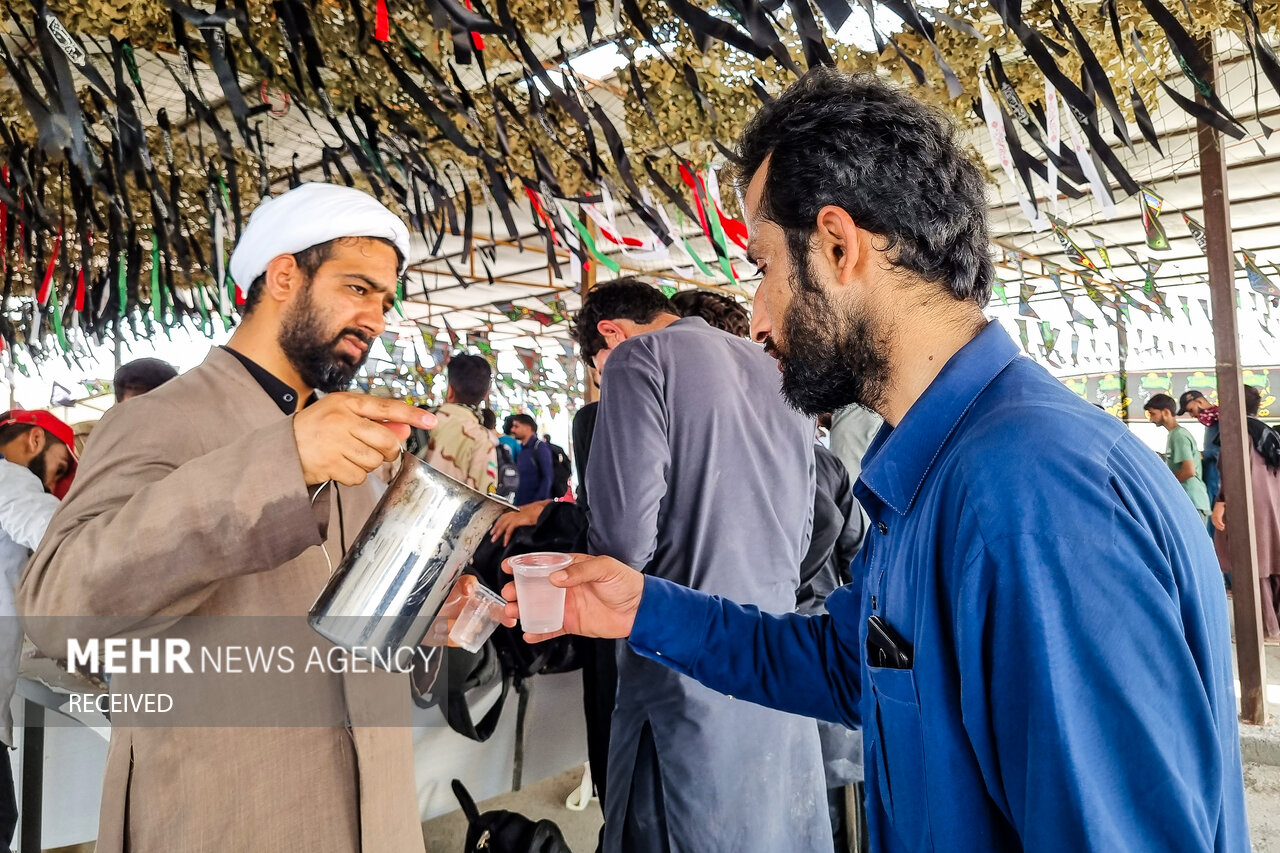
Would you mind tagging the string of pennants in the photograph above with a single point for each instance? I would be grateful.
(1117, 299)
(117, 218)
(417, 366)
(437, 349)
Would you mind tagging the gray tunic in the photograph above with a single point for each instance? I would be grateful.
(699, 473)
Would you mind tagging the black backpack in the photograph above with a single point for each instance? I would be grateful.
(501, 831)
(506, 656)
(561, 527)
(561, 470)
(508, 478)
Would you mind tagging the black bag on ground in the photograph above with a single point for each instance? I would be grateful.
(501, 831)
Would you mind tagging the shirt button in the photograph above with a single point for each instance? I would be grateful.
(882, 527)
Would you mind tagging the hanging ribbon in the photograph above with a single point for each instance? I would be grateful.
(43, 295)
(736, 231)
(1101, 191)
(1053, 129)
(994, 118)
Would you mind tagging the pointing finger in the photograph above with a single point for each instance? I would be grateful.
(393, 411)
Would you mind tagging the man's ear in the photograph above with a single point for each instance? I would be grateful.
(839, 243)
(35, 440)
(283, 277)
(611, 331)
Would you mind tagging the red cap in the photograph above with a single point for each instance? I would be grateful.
(56, 428)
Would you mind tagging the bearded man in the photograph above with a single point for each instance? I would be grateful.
(209, 511)
(1035, 642)
(37, 464)
(701, 475)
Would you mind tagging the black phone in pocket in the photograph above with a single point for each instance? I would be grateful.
(885, 646)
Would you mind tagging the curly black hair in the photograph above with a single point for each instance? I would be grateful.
(720, 311)
(888, 160)
(625, 298)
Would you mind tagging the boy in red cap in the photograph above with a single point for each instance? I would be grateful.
(38, 463)
(49, 451)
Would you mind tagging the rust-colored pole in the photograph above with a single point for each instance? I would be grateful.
(1235, 458)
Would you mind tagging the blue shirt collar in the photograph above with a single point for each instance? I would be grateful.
(899, 458)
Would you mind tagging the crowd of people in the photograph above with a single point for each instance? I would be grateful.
(1008, 645)
(1198, 472)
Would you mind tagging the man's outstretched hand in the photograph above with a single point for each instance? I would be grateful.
(509, 522)
(602, 596)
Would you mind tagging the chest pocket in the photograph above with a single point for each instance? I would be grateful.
(899, 750)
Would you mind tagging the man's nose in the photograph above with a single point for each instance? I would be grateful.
(761, 322)
(373, 320)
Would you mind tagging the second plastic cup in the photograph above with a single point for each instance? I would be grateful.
(541, 604)
(475, 623)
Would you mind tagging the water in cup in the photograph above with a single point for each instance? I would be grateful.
(541, 604)
(480, 615)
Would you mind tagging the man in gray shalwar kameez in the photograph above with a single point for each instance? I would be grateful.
(699, 473)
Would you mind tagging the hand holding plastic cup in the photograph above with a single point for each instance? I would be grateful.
(469, 616)
(541, 604)
(481, 614)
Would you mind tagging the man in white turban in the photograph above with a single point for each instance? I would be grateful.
(200, 513)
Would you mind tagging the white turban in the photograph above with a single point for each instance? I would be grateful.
(306, 216)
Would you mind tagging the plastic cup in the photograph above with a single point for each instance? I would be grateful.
(480, 615)
(541, 604)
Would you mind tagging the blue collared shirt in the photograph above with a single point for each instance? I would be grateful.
(1071, 684)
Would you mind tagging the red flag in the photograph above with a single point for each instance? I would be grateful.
(79, 304)
(687, 177)
(4, 217)
(633, 242)
(476, 38)
(382, 27)
(43, 294)
(537, 206)
(736, 231)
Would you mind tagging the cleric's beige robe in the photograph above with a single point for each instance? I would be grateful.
(189, 518)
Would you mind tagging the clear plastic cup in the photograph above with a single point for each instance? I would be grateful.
(541, 604)
(481, 613)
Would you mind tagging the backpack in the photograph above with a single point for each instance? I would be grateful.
(508, 478)
(561, 470)
(561, 527)
(501, 831)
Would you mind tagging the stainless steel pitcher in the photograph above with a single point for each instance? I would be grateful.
(392, 583)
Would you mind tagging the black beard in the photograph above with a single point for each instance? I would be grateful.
(833, 357)
(39, 465)
(316, 359)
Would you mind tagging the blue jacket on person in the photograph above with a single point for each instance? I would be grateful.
(1069, 684)
(536, 469)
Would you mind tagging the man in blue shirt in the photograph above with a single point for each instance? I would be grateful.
(534, 463)
(1035, 641)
